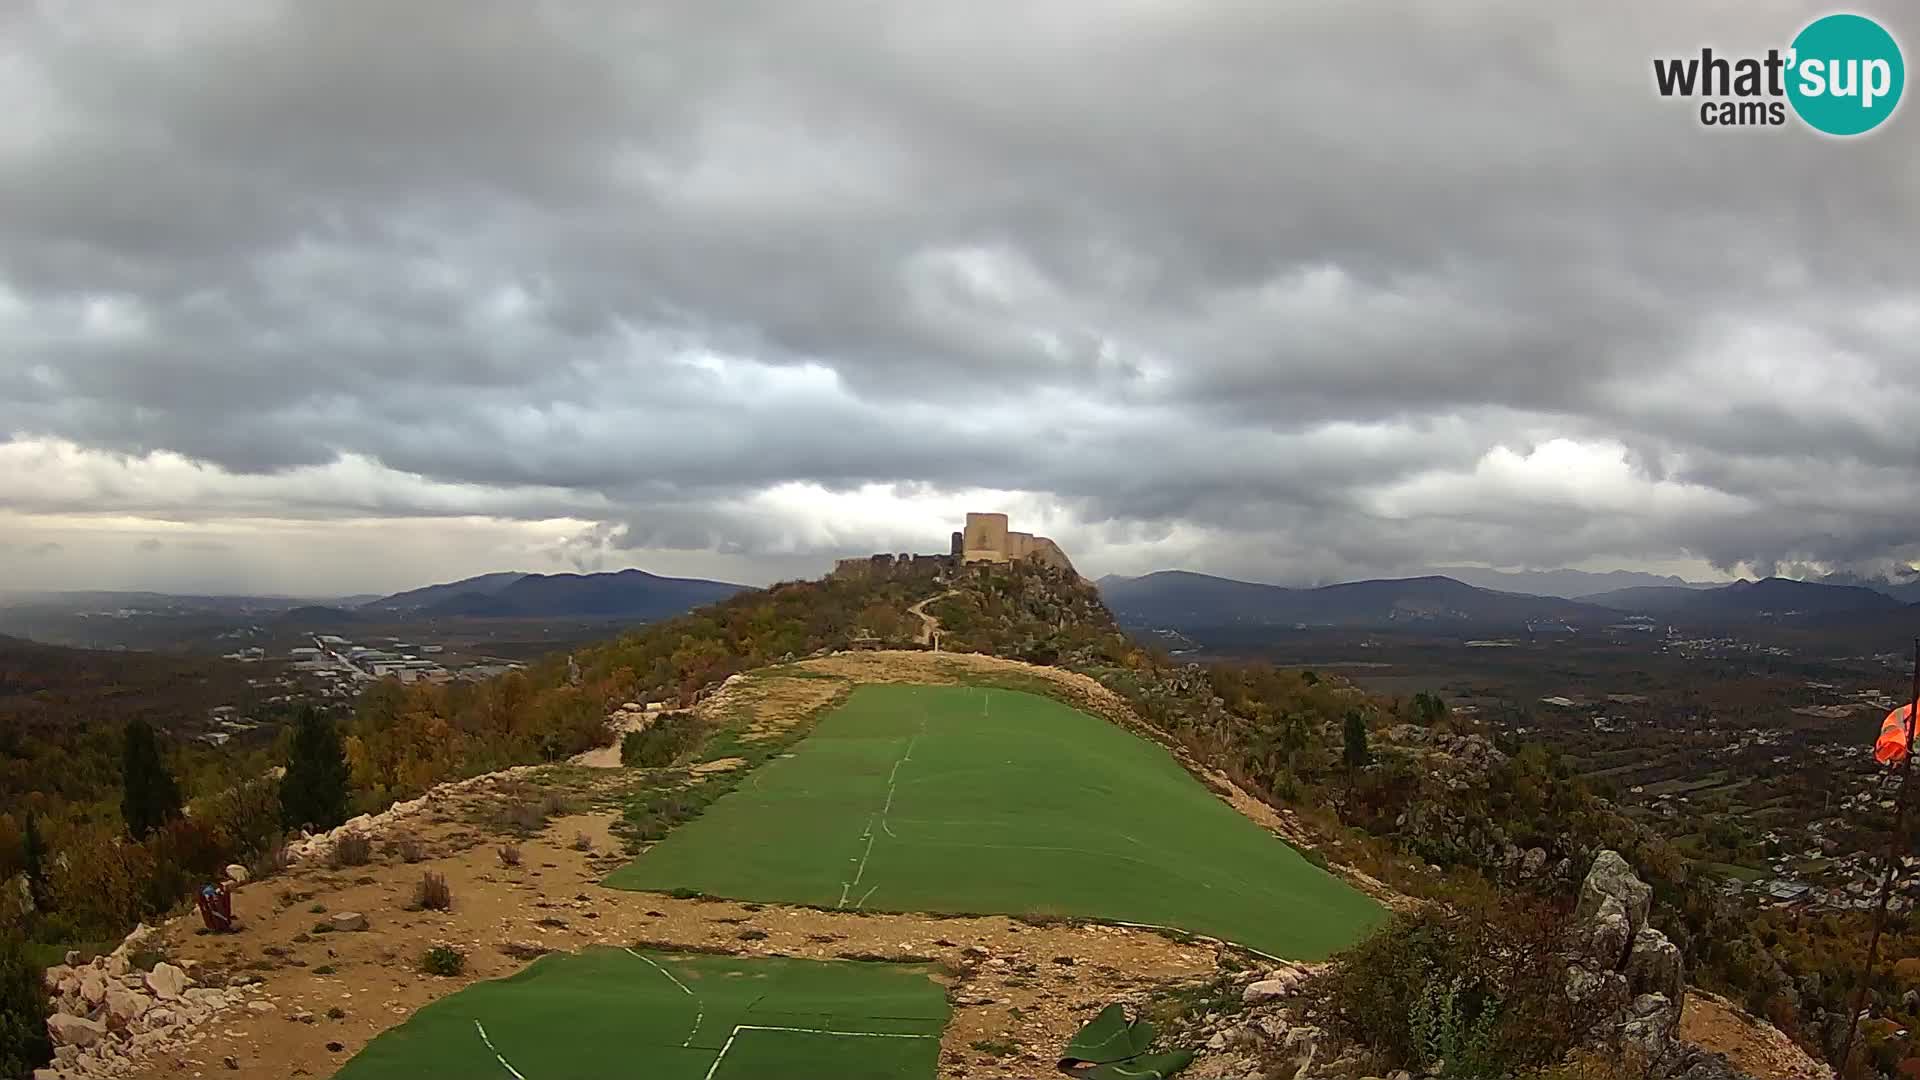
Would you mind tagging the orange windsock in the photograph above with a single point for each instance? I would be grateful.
(1892, 744)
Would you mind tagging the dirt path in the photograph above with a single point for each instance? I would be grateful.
(929, 625)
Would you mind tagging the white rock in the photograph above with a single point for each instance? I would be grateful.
(56, 975)
(74, 1030)
(1266, 990)
(93, 987)
(237, 874)
(348, 921)
(167, 981)
(117, 964)
(260, 1008)
(125, 1006)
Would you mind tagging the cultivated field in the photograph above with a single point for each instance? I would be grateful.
(674, 1016)
(977, 800)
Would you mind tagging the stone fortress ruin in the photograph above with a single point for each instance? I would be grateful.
(985, 539)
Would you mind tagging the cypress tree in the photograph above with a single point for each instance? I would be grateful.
(149, 797)
(1357, 754)
(313, 794)
(24, 1045)
(34, 854)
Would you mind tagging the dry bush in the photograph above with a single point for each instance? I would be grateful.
(432, 894)
(509, 855)
(352, 849)
(582, 842)
(407, 848)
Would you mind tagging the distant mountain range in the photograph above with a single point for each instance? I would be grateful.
(1567, 584)
(1772, 596)
(628, 594)
(1180, 599)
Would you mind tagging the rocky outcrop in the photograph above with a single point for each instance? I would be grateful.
(1623, 967)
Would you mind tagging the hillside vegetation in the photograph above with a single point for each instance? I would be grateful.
(1396, 788)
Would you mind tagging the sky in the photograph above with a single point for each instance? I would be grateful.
(338, 298)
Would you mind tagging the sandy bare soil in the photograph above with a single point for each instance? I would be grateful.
(1751, 1045)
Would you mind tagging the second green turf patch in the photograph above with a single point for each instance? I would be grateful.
(610, 1013)
(975, 800)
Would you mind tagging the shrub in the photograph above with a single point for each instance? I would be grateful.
(246, 817)
(24, 1045)
(1475, 985)
(407, 849)
(662, 744)
(352, 849)
(432, 894)
(582, 842)
(443, 960)
(509, 855)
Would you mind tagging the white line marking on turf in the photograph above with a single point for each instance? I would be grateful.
(864, 899)
(699, 1007)
(728, 1045)
(496, 1053)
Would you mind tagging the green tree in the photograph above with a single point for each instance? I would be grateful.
(24, 1045)
(313, 794)
(33, 851)
(149, 798)
(1356, 754)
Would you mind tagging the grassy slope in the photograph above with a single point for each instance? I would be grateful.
(608, 1012)
(1001, 802)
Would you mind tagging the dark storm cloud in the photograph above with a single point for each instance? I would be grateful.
(1282, 284)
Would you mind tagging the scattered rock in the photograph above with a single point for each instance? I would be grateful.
(348, 921)
(167, 981)
(74, 1030)
(1265, 990)
(237, 874)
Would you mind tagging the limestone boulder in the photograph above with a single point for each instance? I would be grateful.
(237, 874)
(1612, 877)
(167, 981)
(1266, 990)
(1533, 861)
(93, 986)
(75, 1030)
(56, 977)
(1655, 966)
(125, 1006)
(1606, 934)
(348, 921)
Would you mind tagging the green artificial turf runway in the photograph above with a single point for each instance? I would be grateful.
(975, 800)
(611, 1013)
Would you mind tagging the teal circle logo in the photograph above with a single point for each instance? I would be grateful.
(1846, 74)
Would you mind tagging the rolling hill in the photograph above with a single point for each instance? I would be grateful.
(415, 599)
(628, 594)
(1182, 599)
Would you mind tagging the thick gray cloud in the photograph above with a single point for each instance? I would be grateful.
(1290, 291)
